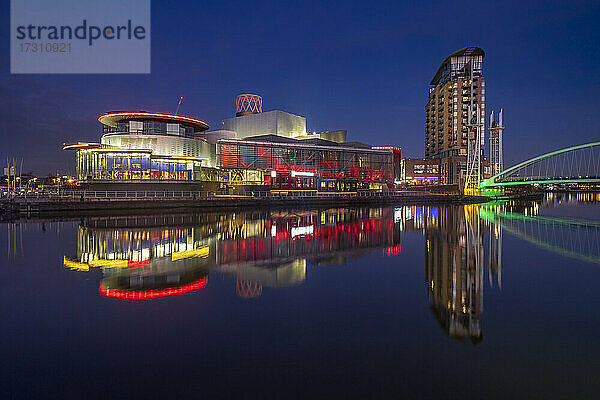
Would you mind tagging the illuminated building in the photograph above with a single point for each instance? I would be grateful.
(254, 151)
(250, 120)
(274, 122)
(274, 149)
(457, 84)
(418, 171)
(311, 164)
(142, 146)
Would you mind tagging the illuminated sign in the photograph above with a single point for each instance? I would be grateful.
(300, 173)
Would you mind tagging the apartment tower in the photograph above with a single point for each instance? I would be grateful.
(457, 84)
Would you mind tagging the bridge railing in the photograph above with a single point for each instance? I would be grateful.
(91, 195)
(574, 164)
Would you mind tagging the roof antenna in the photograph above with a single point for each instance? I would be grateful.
(178, 105)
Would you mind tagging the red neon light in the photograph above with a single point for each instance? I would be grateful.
(134, 114)
(70, 146)
(390, 148)
(138, 264)
(151, 294)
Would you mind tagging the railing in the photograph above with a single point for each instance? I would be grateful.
(89, 195)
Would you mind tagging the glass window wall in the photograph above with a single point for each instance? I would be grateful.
(134, 166)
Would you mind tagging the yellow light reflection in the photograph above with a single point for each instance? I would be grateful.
(108, 263)
(75, 265)
(199, 252)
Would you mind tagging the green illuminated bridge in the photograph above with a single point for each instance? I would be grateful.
(577, 164)
(569, 237)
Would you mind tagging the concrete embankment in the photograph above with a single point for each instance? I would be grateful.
(73, 206)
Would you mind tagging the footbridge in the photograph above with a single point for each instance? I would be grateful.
(577, 164)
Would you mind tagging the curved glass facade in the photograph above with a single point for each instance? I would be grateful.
(115, 164)
(152, 147)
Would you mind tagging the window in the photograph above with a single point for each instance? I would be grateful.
(136, 127)
(173, 129)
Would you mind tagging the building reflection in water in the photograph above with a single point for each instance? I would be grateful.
(150, 257)
(454, 260)
(453, 271)
(495, 254)
(454, 264)
(142, 263)
(143, 258)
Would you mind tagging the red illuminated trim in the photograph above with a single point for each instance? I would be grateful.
(151, 294)
(111, 119)
(390, 148)
(80, 145)
(117, 150)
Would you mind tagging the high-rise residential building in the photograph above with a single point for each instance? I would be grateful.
(457, 84)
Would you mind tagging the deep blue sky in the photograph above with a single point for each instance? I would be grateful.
(360, 66)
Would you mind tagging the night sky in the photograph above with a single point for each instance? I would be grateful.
(360, 66)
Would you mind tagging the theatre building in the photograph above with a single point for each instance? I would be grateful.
(139, 146)
(141, 150)
(286, 164)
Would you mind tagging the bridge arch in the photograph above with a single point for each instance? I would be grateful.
(576, 164)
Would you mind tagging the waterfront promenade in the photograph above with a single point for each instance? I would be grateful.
(90, 201)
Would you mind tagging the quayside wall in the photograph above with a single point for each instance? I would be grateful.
(89, 202)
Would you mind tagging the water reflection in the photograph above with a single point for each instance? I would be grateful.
(454, 273)
(145, 258)
(570, 237)
(156, 256)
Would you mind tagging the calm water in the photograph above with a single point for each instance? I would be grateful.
(492, 301)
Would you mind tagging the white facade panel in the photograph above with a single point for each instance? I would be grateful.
(274, 122)
(160, 145)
